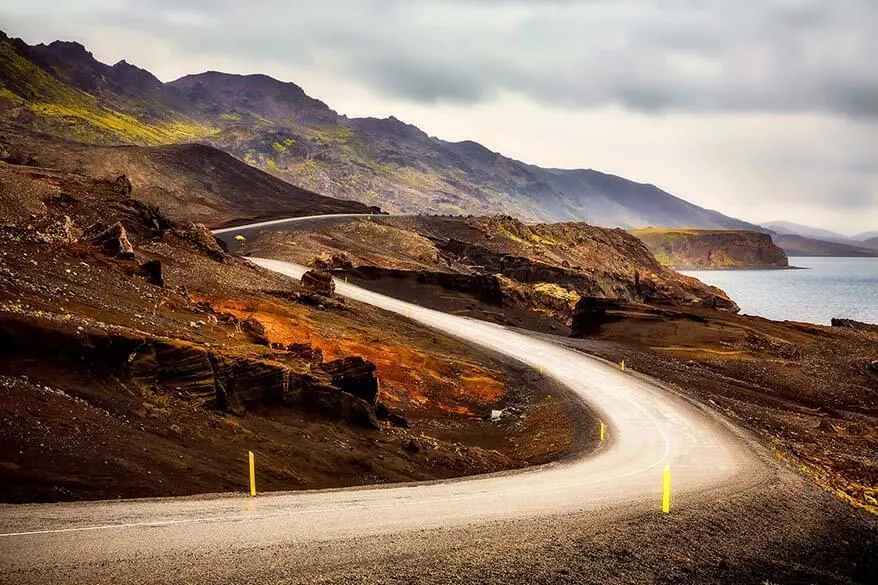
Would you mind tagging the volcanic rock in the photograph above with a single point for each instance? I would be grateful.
(152, 271)
(326, 261)
(112, 240)
(354, 375)
(319, 281)
(123, 186)
(255, 330)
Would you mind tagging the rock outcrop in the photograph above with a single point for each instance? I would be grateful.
(319, 282)
(355, 376)
(112, 240)
(210, 380)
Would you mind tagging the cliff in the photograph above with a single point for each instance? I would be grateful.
(714, 249)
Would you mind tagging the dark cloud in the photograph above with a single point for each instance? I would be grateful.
(670, 55)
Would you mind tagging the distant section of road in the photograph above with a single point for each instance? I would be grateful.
(160, 540)
(276, 223)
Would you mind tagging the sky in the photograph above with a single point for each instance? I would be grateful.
(763, 110)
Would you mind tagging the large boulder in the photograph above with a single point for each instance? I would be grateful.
(319, 282)
(334, 261)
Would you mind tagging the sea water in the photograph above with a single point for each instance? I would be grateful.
(826, 288)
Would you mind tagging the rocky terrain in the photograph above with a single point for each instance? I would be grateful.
(808, 391)
(543, 269)
(139, 358)
(189, 182)
(714, 249)
(61, 89)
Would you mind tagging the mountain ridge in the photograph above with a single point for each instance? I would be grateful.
(274, 125)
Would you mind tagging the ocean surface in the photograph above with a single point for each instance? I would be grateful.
(829, 287)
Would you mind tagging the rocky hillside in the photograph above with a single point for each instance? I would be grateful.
(715, 249)
(139, 358)
(795, 245)
(60, 88)
(190, 182)
(539, 270)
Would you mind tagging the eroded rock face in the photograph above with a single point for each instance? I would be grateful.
(255, 330)
(209, 379)
(691, 249)
(326, 261)
(319, 282)
(354, 375)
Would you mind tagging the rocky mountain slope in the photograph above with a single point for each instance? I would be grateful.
(795, 245)
(139, 358)
(803, 240)
(190, 182)
(692, 249)
(60, 88)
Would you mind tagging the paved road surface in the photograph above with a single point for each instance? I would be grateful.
(165, 539)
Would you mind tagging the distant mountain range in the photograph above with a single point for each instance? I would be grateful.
(802, 240)
(61, 89)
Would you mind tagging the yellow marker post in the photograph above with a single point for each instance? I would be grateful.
(252, 474)
(622, 365)
(541, 368)
(666, 490)
(603, 432)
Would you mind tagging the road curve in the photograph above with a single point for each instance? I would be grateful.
(648, 428)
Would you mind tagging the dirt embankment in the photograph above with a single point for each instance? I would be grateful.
(139, 358)
(716, 249)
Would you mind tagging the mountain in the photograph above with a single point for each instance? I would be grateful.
(865, 236)
(797, 229)
(60, 88)
(795, 245)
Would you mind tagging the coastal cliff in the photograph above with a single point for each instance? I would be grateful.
(715, 249)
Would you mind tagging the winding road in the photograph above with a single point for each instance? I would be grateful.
(176, 539)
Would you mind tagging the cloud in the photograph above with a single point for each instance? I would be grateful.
(763, 109)
(673, 55)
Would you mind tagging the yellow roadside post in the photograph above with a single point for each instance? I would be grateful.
(666, 490)
(603, 431)
(252, 475)
(622, 365)
(541, 368)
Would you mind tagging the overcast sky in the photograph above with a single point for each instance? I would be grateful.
(763, 110)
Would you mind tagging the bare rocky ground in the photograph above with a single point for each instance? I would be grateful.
(810, 392)
(141, 359)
